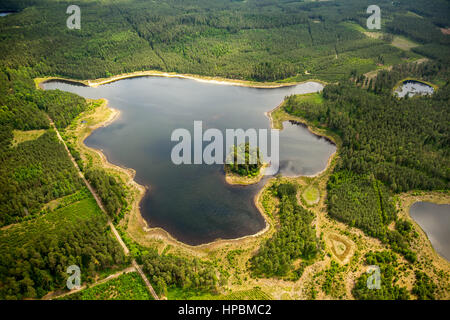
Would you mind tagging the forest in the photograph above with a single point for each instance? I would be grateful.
(36, 253)
(244, 160)
(128, 286)
(389, 290)
(33, 172)
(111, 191)
(389, 145)
(172, 272)
(295, 238)
(254, 40)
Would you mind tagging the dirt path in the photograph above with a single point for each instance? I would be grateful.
(97, 199)
(55, 295)
(147, 283)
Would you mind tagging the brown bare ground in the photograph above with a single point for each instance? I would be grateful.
(445, 31)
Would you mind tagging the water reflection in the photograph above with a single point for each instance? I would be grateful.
(412, 88)
(434, 219)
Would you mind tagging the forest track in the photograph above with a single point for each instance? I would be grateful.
(113, 228)
(55, 295)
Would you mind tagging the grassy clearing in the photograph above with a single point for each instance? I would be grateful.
(268, 202)
(311, 195)
(25, 232)
(128, 286)
(397, 41)
(403, 43)
(22, 136)
(83, 193)
(373, 35)
(353, 26)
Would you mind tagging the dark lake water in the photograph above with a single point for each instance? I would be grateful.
(412, 88)
(193, 202)
(434, 219)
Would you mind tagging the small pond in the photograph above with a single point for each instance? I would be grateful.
(412, 88)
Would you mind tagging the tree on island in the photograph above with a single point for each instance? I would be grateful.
(245, 161)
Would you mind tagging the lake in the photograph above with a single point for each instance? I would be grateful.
(193, 202)
(434, 219)
(412, 88)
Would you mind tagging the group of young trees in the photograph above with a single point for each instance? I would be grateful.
(36, 254)
(61, 106)
(388, 288)
(244, 160)
(389, 145)
(36, 171)
(403, 142)
(434, 43)
(167, 271)
(234, 39)
(295, 238)
(424, 288)
(111, 191)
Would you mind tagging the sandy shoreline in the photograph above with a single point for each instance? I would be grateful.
(237, 180)
(152, 73)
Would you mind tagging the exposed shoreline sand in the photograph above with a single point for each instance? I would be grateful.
(237, 180)
(152, 73)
